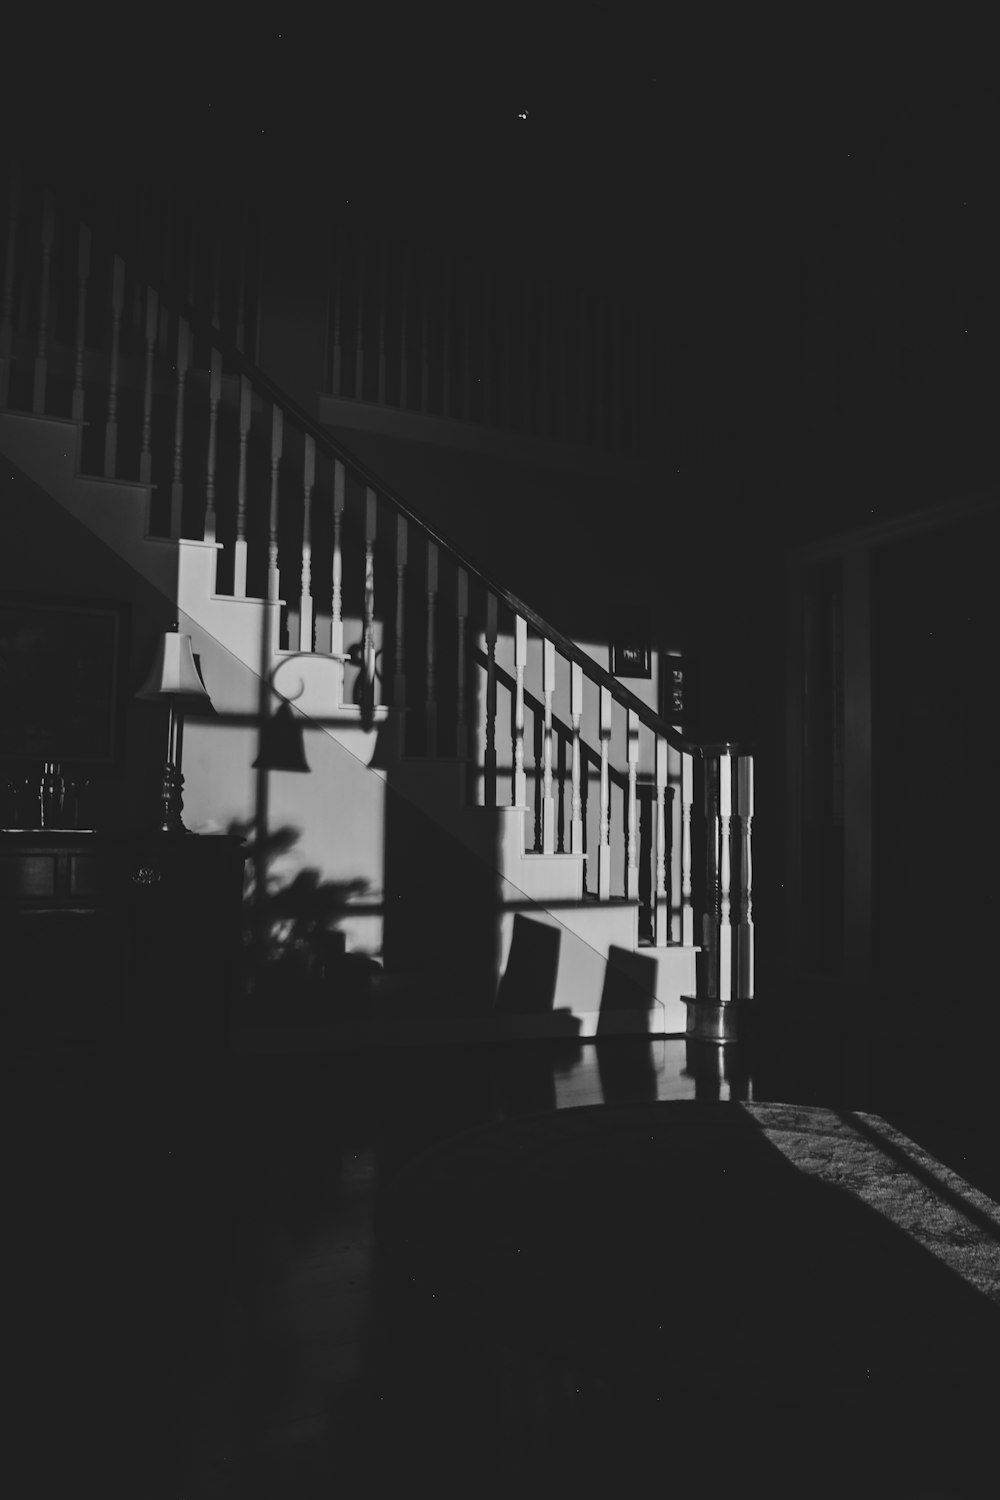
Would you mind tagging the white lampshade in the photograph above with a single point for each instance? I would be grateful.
(173, 673)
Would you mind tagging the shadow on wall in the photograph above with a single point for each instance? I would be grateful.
(629, 989)
(442, 878)
(528, 984)
(295, 962)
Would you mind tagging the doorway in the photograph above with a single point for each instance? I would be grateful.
(934, 674)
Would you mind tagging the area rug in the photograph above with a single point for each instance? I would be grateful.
(754, 1252)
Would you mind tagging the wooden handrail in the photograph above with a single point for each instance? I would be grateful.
(264, 385)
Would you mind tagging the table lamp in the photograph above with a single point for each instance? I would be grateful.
(174, 675)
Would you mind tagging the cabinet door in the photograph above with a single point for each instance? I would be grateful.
(185, 913)
(64, 974)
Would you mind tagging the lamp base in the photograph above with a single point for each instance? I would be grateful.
(171, 801)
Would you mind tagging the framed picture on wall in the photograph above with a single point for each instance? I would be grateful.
(629, 639)
(63, 666)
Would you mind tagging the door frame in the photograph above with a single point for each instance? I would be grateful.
(854, 550)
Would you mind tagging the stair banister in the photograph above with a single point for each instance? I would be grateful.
(727, 927)
(261, 382)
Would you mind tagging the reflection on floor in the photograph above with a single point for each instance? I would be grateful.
(201, 1311)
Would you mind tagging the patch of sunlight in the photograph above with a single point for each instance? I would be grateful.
(865, 1156)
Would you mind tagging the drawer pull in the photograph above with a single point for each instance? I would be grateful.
(145, 876)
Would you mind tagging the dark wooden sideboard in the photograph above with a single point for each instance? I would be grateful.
(132, 940)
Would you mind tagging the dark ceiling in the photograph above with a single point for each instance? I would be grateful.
(697, 147)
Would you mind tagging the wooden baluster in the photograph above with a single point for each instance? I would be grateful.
(142, 215)
(82, 277)
(600, 319)
(41, 357)
(527, 353)
(241, 276)
(214, 396)
(7, 315)
(632, 822)
(337, 595)
(193, 255)
(487, 349)
(217, 266)
(240, 546)
(744, 944)
(725, 877)
(490, 759)
(661, 901)
(654, 440)
(575, 714)
(429, 703)
(548, 801)
(305, 593)
(564, 364)
(111, 426)
(520, 786)
(425, 333)
(467, 349)
(582, 413)
(508, 373)
(404, 311)
(687, 799)
(399, 678)
(167, 239)
(368, 632)
(258, 299)
(710, 914)
(461, 620)
(359, 332)
(338, 282)
(604, 823)
(277, 437)
(177, 487)
(446, 352)
(152, 324)
(617, 435)
(383, 297)
(639, 396)
(544, 312)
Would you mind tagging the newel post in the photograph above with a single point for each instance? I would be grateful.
(725, 965)
(744, 932)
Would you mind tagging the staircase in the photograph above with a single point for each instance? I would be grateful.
(536, 851)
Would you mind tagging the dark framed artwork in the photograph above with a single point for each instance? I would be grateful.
(629, 638)
(63, 666)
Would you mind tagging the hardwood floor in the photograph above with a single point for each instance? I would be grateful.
(199, 1306)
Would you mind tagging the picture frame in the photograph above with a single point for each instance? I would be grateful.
(63, 666)
(629, 641)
